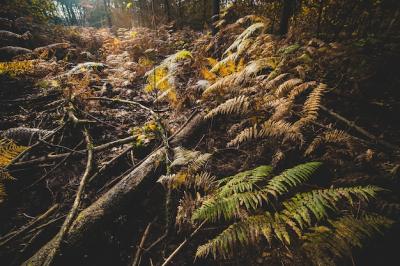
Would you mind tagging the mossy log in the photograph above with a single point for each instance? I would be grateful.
(112, 203)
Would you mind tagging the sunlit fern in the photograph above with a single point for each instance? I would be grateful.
(245, 35)
(162, 77)
(189, 163)
(228, 83)
(244, 191)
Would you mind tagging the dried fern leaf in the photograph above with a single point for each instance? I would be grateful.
(285, 87)
(330, 137)
(311, 106)
(299, 89)
(238, 105)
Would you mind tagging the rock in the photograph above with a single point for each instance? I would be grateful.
(5, 24)
(8, 38)
(9, 52)
(59, 50)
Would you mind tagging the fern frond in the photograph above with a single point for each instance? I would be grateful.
(311, 106)
(237, 105)
(237, 79)
(303, 206)
(8, 151)
(330, 137)
(247, 33)
(287, 86)
(198, 162)
(298, 214)
(243, 233)
(299, 89)
(243, 181)
(246, 135)
(282, 110)
(203, 180)
(235, 192)
(271, 84)
(270, 129)
(291, 178)
(344, 234)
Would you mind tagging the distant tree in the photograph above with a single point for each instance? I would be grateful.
(287, 11)
(167, 10)
(108, 12)
(215, 15)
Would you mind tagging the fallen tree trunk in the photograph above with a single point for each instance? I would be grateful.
(112, 202)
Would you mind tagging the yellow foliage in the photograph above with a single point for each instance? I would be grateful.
(212, 61)
(145, 62)
(162, 77)
(16, 68)
(8, 151)
(157, 80)
(182, 55)
(145, 133)
(208, 75)
(133, 34)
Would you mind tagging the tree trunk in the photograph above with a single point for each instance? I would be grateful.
(286, 13)
(108, 14)
(215, 15)
(320, 13)
(89, 221)
(167, 10)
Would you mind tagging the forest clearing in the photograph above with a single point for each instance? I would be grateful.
(184, 132)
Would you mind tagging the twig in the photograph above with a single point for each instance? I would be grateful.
(176, 251)
(161, 238)
(142, 241)
(110, 163)
(54, 168)
(360, 129)
(58, 146)
(7, 238)
(46, 137)
(116, 100)
(99, 148)
(74, 210)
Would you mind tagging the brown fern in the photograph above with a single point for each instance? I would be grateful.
(311, 106)
(270, 129)
(237, 105)
(285, 87)
(328, 138)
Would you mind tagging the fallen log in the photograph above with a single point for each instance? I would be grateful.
(109, 205)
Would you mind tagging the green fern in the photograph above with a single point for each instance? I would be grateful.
(291, 178)
(241, 190)
(298, 214)
(241, 196)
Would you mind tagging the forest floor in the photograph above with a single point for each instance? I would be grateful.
(132, 96)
